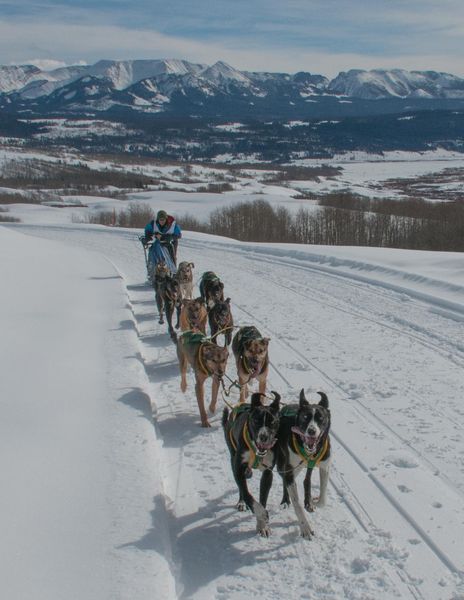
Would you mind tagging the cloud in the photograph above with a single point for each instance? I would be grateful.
(46, 64)
(249, 37)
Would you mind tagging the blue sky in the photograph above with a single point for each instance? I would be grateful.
(320, 36)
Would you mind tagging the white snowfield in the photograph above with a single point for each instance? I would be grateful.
(111, 490)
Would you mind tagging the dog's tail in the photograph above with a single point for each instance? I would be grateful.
(225, 417)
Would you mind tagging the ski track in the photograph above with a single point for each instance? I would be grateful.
(368, 544)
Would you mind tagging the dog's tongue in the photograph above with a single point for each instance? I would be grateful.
(254, 370)
(311, 443)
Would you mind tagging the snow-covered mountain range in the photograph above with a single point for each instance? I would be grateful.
(176, 85)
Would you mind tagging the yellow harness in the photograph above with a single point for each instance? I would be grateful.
(254, 460)
(311, 460)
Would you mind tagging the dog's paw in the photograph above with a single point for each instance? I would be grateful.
(161, 321)
(212, 409)
(183, 387)
(321, 502)
(248, 473)
(264, 531)
(205, 423)
(284, 504)
(306, 532)
(241, 506)
(310, 506)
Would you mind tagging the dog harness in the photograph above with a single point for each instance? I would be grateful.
(194, 337)
(255, 459)
(311, 460)
(209, 276)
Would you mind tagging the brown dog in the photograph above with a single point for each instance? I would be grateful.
(251, 355)
(221, 321)
(211, 289)
(207, 360)
(184, 276)
(193, 315)
(167, 295)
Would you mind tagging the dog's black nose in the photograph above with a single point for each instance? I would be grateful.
(311, 431)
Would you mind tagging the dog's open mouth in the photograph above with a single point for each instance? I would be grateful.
(309, 441)
(263, 447)
(254, 368)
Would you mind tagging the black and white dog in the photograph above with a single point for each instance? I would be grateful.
(251, 434)
(304, 443)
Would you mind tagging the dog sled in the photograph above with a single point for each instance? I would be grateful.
(158, 251)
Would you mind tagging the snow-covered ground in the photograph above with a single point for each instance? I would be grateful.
(359, 173)
(112, 490)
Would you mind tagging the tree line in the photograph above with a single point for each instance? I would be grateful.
(409, 224)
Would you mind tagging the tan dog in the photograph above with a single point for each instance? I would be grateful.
(207, 360)
(184, 276)
(193, 315)
(251, 356)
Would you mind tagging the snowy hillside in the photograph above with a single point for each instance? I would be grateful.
(112, 489)
(380, 83)
(219, 89)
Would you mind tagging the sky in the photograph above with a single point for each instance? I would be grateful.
(320, 36)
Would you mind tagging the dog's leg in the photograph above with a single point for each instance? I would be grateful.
(262, 382)
(285, 502)
(324, 480)
(261, 514)
(183, 364)
(305, 528)
(308, 502)
(159, 304)
(169, 310)
(265, 486)
(214, 395)
(200, 394)
(178, 309)
(243, 389)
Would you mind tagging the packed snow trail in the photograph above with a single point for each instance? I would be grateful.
(391, 363)
(78, 455)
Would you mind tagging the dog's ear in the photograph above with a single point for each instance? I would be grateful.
(266, 340)
(256, 400)
(227, 300)
(185, 302)
(192, 266)
(275, 406)
(303, 401)
(221, 285)
(324, 401)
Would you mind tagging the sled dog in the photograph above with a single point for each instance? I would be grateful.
(211, 289)
(220, 320)
(207, 360)
(184, 276)
(304, 442)
(251, 356)
(251, 434)
(167, 294)
(193, 315)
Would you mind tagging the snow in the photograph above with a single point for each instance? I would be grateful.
(113, 491)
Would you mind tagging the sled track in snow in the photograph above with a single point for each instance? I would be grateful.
(442, 556)
(367, 287)
(442, 411)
